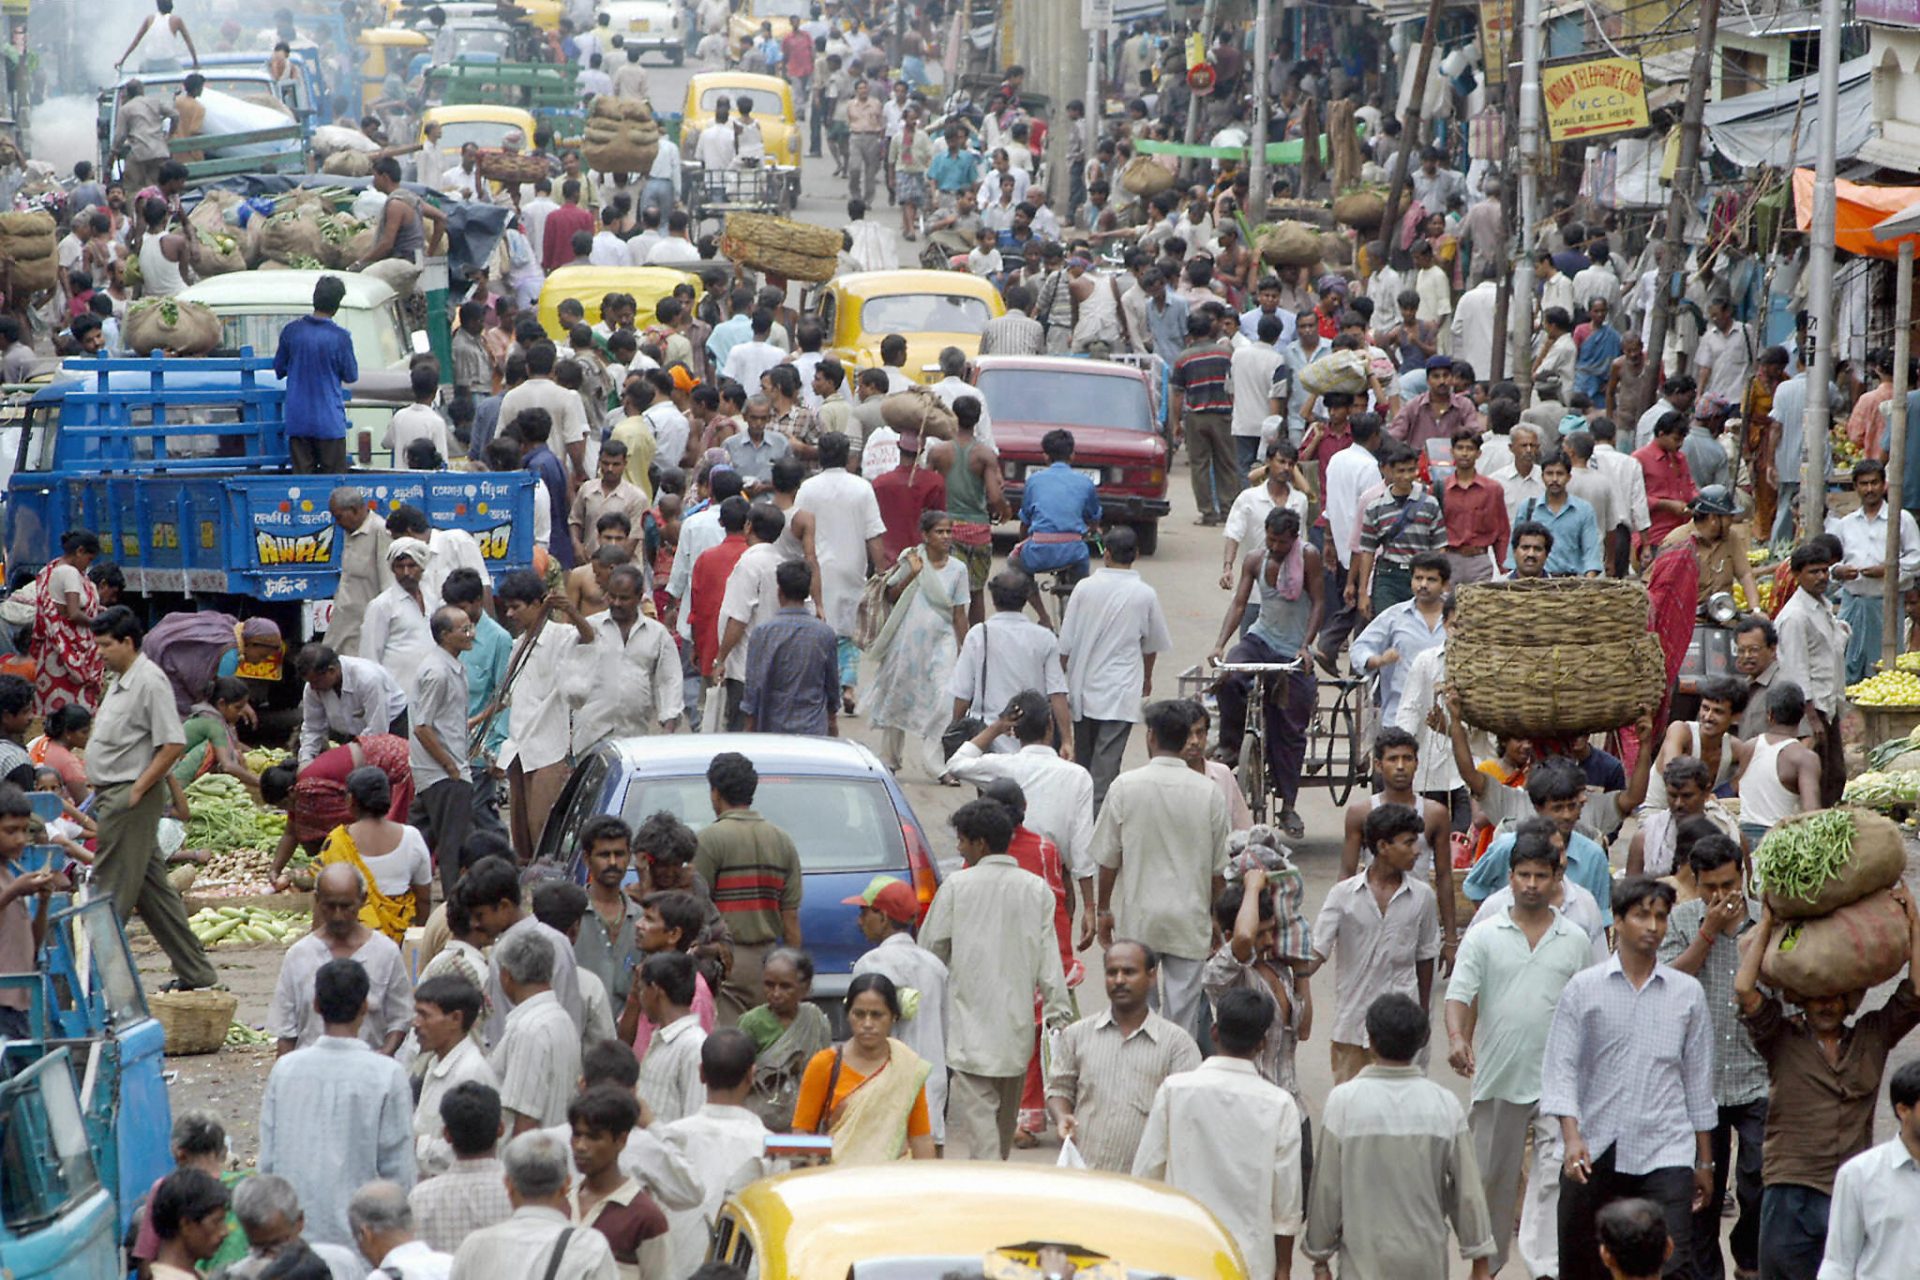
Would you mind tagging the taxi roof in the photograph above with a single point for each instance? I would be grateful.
(815, 1224)
(739, 80)
(482, 113)
(879, 284)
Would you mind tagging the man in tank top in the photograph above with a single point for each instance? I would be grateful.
(1782, 776)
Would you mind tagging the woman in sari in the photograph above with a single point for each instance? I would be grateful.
(390, 856)
(914, 653)
(787, 1032)
(211, 744)
(316, 797)
(67, 664)
(870, 1094)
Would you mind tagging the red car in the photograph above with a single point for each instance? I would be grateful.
(1112, 409)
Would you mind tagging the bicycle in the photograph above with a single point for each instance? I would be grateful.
(1251, 769)
(1059, 583)
(1337, 755)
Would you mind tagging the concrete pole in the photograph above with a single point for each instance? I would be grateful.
(1893, 615)
(1410, 148)
(1194, 102)
(1528, 200)
(1686, 173)
(1819, 417)
(1257, 145)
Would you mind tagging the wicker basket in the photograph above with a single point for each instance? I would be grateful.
(780, 262)
(512, 167)
(761, 232)
(195, 1021)
(1534, 690)
(1549, 611)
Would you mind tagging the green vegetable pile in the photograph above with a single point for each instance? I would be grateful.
(1799, 856)
(261, 759)
(1884, 791)
(242, 1036)
(238, 926)
(225, 817)
(339, 228)
(1887, 752)
(305, 262)
(168, 308)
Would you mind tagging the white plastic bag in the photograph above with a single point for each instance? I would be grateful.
(1070, 1157)
(713, 709)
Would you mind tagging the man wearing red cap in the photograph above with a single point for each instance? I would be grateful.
(888, 911)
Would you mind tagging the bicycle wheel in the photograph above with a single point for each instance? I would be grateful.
(1252, 771)
(1344, 750)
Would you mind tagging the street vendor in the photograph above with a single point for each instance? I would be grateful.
(316, 799)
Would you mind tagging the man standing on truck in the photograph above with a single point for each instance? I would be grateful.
(140, 136)
(402, 236)
(315, 358)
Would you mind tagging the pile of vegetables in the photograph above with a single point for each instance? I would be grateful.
(225, 817)
(1885, 755)
(1884, 791)
(242, 926)
(261, 759)
(242, 1036)
(1887, 689)
(1797, 858)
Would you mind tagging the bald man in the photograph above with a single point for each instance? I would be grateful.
(340, 934)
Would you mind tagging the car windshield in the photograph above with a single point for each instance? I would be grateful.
(379, 338)
(1050, 398)
(924, 313)
(470, 42)
(837, 824)
(711, 98)
(781, 9)
(482, 133)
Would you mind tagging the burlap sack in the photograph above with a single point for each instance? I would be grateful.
(1145, 177)
(287, 236)
(1861, 945)
(1289, 244)
(1362, 210)
(37, 223)
(399, 276)
(27, 248)
(170, 325)
(917, 410)
(35, 276)
(759, 232)
(1878, 860)
(348, 164)
(219, 253)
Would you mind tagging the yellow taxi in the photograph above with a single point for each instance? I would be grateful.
(385, 52)
(925, 1219)
(588, 284)
(930, 309)
(483, 125)
(772, 106)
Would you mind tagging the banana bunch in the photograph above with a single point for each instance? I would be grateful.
(1766, 596)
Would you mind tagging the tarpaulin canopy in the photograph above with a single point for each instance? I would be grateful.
(1757, 128)
(1857, 211)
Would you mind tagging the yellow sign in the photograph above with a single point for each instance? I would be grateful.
(1496, 36)
(1592, 97)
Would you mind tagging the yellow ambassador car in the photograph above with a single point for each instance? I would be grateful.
(772, 107)
(587, 285)
(926, 1219)
(484, 125)
(930, 309)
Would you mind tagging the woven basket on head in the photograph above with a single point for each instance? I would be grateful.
(1547, 611)
(761, 232)
(195, 1021)
(780, 262)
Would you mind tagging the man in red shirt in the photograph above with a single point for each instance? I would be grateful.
(562, 223)
(1438, 413)
(1670, 484)
(1475, 510)
(708, 584)
(903, 494)
(1035, 853)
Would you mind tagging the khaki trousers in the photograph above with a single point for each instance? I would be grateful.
(982, 1112)
(129, 866)
(531, 794)
(740, 990)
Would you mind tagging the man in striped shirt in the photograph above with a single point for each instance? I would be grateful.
(1203, 413)
(754, 871)
(1015, 333)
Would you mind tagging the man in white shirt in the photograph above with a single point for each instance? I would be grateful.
(538, 1057)
(847, 535)
(1521, 477)
(533, 214)
(539, 1170)
(1629, 482)
(1006, 656)
(1598, 280)
(1724, 359)
(1873, 1223)
(1472, 324)
(445, 1008)
(699, 532)
(670, 1073)
(725, 1142)
(630, 677)
(748, 360)
(676, 248)
(382, 1225)
(345, 698)
(1113, 630)
(1862, 569)
(419, 420)
(752, 597)
(397, 634)
(540, 391)
(715, 147)
(953, 384)
(1231, 1140)
(609, 250)
(1350, 473)
(539, 725)
(1252, 373)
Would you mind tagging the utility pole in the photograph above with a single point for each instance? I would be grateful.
(1257, 145)
(1686, 173)
(1819, 418)
(1892, 630)
(1529, 195)
(1193, 101)
(1411, 132)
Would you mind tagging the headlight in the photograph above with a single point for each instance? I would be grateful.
(1720, 608)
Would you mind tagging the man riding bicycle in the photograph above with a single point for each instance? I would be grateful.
(1058, 508)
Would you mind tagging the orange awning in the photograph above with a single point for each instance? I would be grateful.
(1857, 210)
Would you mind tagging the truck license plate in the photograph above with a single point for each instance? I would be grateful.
(1091, 473)
(640, 24)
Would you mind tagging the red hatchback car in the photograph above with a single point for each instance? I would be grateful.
(1112, 410)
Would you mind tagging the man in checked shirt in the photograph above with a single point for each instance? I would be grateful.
(1628, 1070)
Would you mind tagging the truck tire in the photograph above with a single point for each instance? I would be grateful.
(1148, 533)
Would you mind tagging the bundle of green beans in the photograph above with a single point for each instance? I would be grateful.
(225, 816)
(1800, 855)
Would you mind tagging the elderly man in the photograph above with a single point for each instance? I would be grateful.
(336, 1115)
(137, 737)
(268, 1210)
(363, 565)
(538, 1057)
(540, 1238)
(631, 671)
(382, 1224)
(339, 934)
(396, 634)
(345, 698)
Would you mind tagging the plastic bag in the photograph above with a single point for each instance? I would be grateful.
(1070, 1157)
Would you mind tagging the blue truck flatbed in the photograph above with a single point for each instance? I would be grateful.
(182, 468)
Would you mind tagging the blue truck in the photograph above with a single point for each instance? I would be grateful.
(181, 466)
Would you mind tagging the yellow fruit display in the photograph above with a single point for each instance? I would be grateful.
(1907, 662)
(1766, 596)
(1887, 689)
(1757, 555)
(1845, 452)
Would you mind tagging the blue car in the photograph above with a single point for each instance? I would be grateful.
(847, 816)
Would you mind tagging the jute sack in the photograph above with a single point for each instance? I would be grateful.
(348, 164)
(1363, 210)
(170, 325)
(1861, 945)
(1290, 244)
(1145, 177)
(920, 411)
(1877, 861)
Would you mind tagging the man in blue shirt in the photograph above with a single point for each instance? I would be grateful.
(1575, 529)
(315, 359)
(486, 664)
(954, 170)
(534, 427)
(1056, 510)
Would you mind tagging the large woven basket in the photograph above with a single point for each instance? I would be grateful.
(780, 262)
(762, 232)
(1549, 611)
(195, 1021)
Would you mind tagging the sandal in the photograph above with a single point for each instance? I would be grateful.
(1292, 825)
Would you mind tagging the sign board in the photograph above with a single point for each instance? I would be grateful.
(1096, 15)
(1592, 97)
(1891, 13)
(1496, 36)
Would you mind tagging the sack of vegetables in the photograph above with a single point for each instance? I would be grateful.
(170, 325)
(1813, 864)
(1860, 945)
